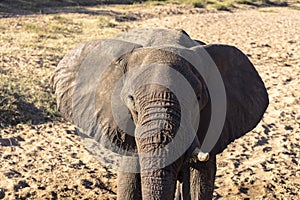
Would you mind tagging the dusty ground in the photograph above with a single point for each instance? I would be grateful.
(46, 160)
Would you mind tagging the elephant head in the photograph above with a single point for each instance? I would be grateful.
(140, 94)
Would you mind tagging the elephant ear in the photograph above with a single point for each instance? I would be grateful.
(247, 98)
(84, 82)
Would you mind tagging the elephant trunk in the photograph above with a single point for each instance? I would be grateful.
(158, 122)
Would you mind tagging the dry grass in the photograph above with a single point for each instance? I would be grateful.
(31, 46)
(223, 4)
(37, 6)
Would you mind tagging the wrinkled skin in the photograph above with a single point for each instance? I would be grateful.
(155, 109)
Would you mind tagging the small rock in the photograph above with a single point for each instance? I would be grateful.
(266, 45)
(270, 187)
(295, 161)
(13, 174)
(21, 184)
(54, 195)
(78, 165)
(86, 183)
(2, 193)
(42, 188)
(288, 79)
(288, 128)
(243, 190)
(291, 41)
(287, 65)
(267, 149)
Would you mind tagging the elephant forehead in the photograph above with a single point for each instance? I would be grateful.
(159, 54)
(162, 66)
(159, 74)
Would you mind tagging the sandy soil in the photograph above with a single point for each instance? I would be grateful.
(48, 161)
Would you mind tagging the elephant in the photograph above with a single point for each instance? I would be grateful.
(141, 95)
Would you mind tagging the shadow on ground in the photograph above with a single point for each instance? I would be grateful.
(10, 8)
(10, 142)
(15, 110)
(20, 7)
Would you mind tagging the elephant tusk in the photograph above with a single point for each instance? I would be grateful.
(199, 155)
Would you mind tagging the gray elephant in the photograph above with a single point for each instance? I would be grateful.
(167, 101)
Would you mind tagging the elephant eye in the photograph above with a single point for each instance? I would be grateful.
(132, 108)
(130, 97)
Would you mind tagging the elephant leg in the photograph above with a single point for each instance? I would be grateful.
(202, 179)
(185, 185)
(129, 186)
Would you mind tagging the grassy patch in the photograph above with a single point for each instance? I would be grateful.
(247, 2)
(55, 25)
(194, 3)
(25, 100)
(226, 4)
(31, 47)
(33, 28)
(222, 6)
(154, 2)
(295, 7)
(106, 22)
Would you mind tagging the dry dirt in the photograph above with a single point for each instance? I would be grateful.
(48, 161)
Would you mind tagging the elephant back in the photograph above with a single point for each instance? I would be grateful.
(148, 37)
